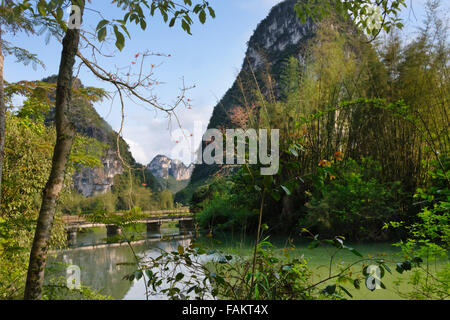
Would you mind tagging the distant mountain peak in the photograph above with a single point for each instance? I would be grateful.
(162, 167)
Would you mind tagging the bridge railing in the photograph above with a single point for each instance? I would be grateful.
(168, 212)
(68, 219)
(73, 219)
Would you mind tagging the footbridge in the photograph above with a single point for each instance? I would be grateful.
(153, 219)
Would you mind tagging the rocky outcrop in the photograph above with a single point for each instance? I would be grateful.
(98, 180)
(280, 31)
(279, 36)
(179, 171)
(163, 167)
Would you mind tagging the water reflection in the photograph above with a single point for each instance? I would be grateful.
(103, 265)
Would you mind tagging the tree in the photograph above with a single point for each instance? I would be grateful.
(12, 19)
(29, 144)
(165, 199)
(52, 13)
(65, 131)
(369, 16)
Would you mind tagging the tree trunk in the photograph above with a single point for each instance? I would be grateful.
(65, 133)
(2, 116)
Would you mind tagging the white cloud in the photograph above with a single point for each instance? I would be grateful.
(138, 152)
(149, 136)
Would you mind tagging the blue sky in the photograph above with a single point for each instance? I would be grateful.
(209, 59)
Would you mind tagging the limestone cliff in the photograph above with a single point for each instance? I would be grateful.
(279, 36)
(163, 167)
(92, 181)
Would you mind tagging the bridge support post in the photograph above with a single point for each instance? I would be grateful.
(72, 236)
(154, 227)
(112, 231)
(186, 225)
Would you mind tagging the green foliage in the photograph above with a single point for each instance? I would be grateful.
(165, 199)
(204, 194)
(279, 275)
(27, 162)
(130, 193)
(135, 12)
(56, 289)
(15, 18)
(222, 206)
(184, 196)
(349, 199)
(75, 203)
(28, 153)
(128, 217)
(429, 237)
(172, 184)
(345, 97)
(360, 11)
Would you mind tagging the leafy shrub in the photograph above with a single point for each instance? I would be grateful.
(347, 199)
(429, 237)
(27, 163)
(165, 199)
(221, 207)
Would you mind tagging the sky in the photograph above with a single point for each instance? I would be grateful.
(209, 59)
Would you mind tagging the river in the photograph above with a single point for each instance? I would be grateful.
(103, 265)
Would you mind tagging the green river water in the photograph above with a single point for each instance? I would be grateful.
(102, 265)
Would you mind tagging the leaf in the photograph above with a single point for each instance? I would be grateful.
(125, 30)
(143, 24)
(406, 265)
(42, 8)
(202, 16)
(101, 35)
(330, 289)
(186, 27)
(382, 273)
(387, 268)
(212, 13)
(293, 151)
(346, 291)
(354, 251)
(180, 249)
(288, 192)
(120, 39)
(179, 276)
(364, 272)
(417, 260)
(101, 24)
(357, 284)
(59, 13)
(149, 273)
